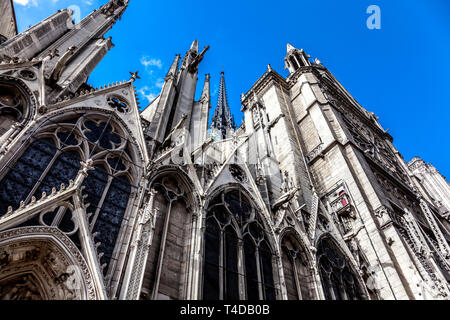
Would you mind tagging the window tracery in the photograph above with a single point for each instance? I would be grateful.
(118, 104)
(27, 74)
(54, 157)
(296, 271)
(167, 264)
(13, 105)
(234, 232)
(338, 281)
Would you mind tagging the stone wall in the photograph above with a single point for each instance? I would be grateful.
(8, 27)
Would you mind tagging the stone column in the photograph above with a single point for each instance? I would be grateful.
(139, 253)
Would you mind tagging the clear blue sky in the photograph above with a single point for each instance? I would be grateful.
(400, 72)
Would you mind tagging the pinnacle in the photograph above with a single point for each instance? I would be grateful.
(194, 45)
(289, 47)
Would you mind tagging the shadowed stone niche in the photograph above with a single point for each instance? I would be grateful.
(22, 287)
(12, 106)
(40, 263)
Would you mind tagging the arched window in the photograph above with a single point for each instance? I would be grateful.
(54, 158)
(338, 281)
(167, 260)
(296, 270)
(13, 105)
(231, 220)
(46, 164)
(294, 62)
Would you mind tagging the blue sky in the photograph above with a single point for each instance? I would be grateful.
(400, 72)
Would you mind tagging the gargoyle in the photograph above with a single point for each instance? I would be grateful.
(194, 65)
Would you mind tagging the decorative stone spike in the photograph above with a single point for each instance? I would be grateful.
(33, 200)
(63, 187)
(44, 195)
(71, 183)
(10, 210)
(97, 245)
(100, 255)
(94, 235)
(103, 266)
(22, 204)
(53, 191)
(89, 215)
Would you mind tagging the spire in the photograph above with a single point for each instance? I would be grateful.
(222, 122)
(206, 89)
(289, 48)
(194, 46)
(173, 68)
(295, 58)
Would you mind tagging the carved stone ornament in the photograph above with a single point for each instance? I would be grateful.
(41, 263)
(238, 173)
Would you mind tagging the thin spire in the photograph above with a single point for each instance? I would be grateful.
(289, 47)
(173, 68)
(194, 45)
(206, 88)
(223, 121)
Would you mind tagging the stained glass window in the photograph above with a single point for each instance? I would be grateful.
(296, 271)
(338, 281)
(231, 219)
(55, 159)
(24, 175)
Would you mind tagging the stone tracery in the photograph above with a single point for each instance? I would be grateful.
(233, 228)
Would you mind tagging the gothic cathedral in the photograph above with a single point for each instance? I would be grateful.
(100, 199)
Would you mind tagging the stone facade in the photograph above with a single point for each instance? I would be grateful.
(8, 25)
(307, 199)
(435, 186)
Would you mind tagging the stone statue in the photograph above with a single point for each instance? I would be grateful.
(24, 289)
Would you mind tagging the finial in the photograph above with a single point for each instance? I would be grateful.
(134, 76)
(289, 48)
(269, 67)
(53, 53)
(318, 61)
(194, 45)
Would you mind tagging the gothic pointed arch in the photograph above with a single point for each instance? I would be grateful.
(297, 267)
(340, 280)
(167, 263)
(238, 253)
(41, 263)
(17, 102)
(82, 145)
